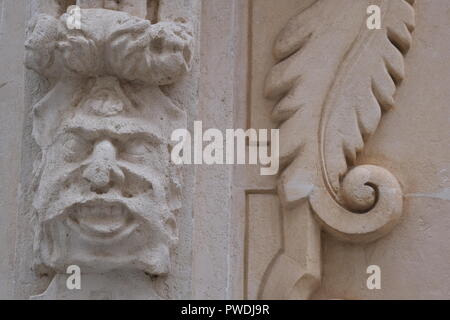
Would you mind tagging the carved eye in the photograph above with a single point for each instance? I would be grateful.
(137, 147)
(75, 148)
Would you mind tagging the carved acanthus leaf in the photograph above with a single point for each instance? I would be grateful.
(346, 87)
(333, 79)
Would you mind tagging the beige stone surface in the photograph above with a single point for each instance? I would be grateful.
(307, 82)
(12, 36)
(364, 119)
(213, 201)
(413, 142)
(129, 214)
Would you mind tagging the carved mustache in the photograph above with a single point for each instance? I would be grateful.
(136, 193)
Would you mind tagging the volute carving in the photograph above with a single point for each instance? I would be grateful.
(329, 103)
(106, 194)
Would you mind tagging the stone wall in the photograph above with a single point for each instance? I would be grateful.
(87, 179)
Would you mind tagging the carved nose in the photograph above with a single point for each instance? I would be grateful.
(103, 171)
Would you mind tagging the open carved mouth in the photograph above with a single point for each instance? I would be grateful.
(102, 220)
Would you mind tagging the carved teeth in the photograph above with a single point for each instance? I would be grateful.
(102, 219)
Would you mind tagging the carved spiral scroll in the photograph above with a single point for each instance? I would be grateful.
(373, 204)
(335, 79)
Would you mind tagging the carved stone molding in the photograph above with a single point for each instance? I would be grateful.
(105, 193)
(329, 103)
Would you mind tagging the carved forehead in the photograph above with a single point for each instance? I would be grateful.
(147, 111)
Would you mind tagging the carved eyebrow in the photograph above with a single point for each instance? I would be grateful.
(90, 135)
(124, 133)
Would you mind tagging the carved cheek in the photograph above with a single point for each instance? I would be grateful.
(142, 171)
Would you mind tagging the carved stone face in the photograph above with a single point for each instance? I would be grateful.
(103, 201)
(106, 192)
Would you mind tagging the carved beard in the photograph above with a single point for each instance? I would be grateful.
(103, 232)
